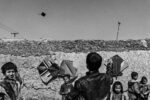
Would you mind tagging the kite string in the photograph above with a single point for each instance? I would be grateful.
(6, 28)
(117, 41)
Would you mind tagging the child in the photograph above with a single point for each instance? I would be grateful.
(144, 88)
(117, 92)
(66, 88)
(133, 87)
(11, 85)
(94, 85)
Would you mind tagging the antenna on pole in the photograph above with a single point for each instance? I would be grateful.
(14, 34)
(119, 23)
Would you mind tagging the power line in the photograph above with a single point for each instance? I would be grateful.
(8, 29)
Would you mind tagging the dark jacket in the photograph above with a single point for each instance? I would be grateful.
(133, 90)
(65, 90)
(144, 90)
(93, 86)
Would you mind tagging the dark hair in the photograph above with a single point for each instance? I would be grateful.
(117, 83)
(93, 61)
(133, 74)
(143, 78)
(8, 66)
(67, 75)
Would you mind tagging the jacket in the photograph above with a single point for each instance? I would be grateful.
(93, 86)
(10, 89)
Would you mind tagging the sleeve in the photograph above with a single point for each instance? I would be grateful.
(3, 94)
(125, 96)
(81, 85)
(75, 92)
(146, 90)
(71, 88)
(136, 88)
(109, 79)
(61, 92)
(2, 90)
(148, 86)
(18, 78)
(109, 97)
(77, 85)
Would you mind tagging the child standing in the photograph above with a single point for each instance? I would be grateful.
(133, 87)
(117, 92)
(66, 88)
(11, 85)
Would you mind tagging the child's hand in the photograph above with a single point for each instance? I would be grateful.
(18, 78)
(142, 95)
(68, 90)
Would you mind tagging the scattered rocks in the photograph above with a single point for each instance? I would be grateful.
(27, 48)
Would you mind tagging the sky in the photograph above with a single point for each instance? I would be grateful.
(75, 19)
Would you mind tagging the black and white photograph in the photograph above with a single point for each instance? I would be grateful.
(74, 49)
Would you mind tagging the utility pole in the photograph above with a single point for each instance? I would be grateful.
(14, 34)
(119, 23)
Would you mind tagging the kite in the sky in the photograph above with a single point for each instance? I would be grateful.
(43, 14)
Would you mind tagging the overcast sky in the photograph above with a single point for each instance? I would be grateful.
(75, 19)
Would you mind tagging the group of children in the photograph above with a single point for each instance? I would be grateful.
(11, 85)
(136, 90)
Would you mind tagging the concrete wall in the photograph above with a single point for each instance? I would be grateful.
(138, 61)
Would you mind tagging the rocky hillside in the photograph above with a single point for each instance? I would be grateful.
(37, 48)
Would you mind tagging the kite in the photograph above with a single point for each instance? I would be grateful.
(67, 67)
(116, 65)
(43, 14)
(49, 70)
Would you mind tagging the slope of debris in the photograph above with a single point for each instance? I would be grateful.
(38, 48)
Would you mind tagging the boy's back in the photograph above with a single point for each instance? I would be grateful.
(95, 86)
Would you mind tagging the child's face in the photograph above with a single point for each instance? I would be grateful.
(117, 88)
(144, 81)
(66, 79)
(135, 77)
(10, 74)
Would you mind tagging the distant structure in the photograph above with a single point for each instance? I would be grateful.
(14, 34)
(119, 23)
